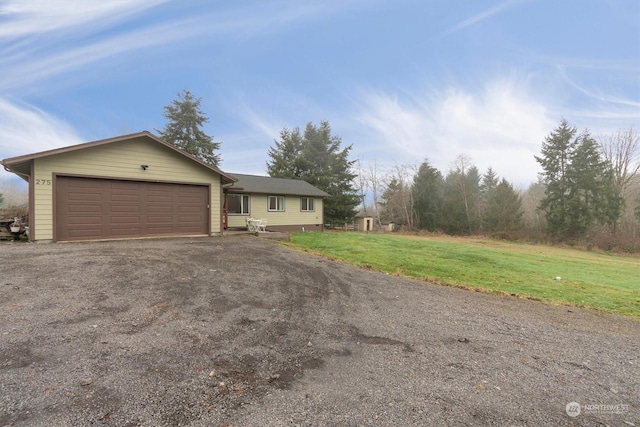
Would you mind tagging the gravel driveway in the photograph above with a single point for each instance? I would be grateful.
(243, 331)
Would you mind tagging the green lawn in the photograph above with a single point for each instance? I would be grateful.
(588, 279)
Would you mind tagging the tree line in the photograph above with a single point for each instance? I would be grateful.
(586, 186)
(462, 201)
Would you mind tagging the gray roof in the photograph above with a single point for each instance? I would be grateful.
(268, 185)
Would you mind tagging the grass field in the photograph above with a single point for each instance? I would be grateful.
(587, 279)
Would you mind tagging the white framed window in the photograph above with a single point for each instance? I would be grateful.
(307, 204)
(238, 204)
(276, 203)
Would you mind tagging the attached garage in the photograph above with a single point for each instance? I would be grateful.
(130, 186)
(92, 208)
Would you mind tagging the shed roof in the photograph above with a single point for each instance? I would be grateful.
(268, 185)
(21, 164)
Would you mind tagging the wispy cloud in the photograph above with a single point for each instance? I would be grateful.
(482, 16)
(501, 126)
(32, 70)
(22, 18)
(598, 95)
(32, 59)
(27, 129)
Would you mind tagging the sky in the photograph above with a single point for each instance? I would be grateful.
(400, 81)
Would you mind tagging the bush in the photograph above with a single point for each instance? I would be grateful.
(605, 241)
(11, 212)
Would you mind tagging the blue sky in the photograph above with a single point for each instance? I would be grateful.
(399, 80)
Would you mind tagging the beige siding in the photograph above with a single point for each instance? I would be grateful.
(292, 214)
(118, 160)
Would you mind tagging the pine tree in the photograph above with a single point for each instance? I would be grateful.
(317, 157)
(427, 190)
(184, 128)
(556, 152)
(579, 184)
(487, 187)
(504, 209)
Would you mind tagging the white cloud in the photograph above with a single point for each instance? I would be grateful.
(501, 126)
(482, 16)
(25, 129)
(55, 46)
(31, 17)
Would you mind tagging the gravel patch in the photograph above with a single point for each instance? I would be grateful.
(242, 331)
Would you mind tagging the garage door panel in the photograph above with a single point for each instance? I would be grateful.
(125, 198)
(76, 208)
(160, 199)
(85, 232)
(124, 231)
(114, 209)
(91, 208)
(88, 197)
(124, 219)
(85, 220)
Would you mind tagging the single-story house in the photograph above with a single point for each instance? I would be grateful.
(130, 186)
(282, 204)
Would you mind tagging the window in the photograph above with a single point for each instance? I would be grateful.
(238, 204)
(306, 204)
(276, 203)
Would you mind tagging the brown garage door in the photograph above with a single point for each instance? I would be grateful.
(90, 208)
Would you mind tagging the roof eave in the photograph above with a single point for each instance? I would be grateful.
(224, 178)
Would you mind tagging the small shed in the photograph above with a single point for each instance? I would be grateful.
(363, 222)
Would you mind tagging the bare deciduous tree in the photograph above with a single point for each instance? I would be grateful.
(362, 184)
(376, 184)
(622, 151)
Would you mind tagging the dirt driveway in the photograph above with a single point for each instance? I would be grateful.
(242, 331)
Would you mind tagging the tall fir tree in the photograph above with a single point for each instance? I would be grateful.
(579, 184)
(487, 187)
(504, 209)
(184, 128)
(555, 158)
(427, 191)
(592, 198)
(318, 158)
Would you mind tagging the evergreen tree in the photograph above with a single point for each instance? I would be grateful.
(1, 199)
(487, 187)
(461, 203)
(504, 208)
(184, 128)
(286, 155)
(556, 153)
(579, 184)
(427, 190)
(591, 197)
(317, 157)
